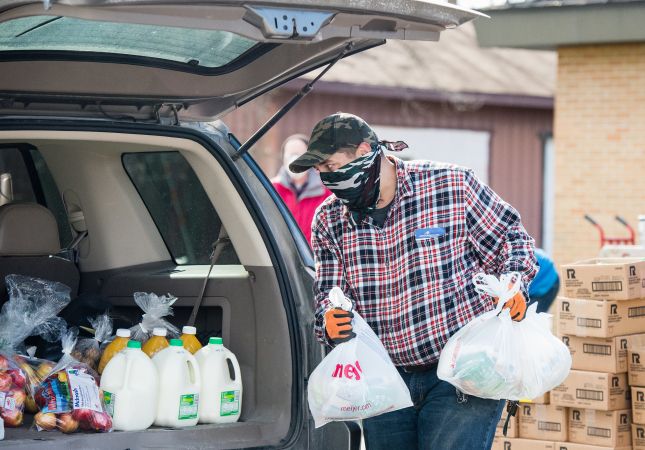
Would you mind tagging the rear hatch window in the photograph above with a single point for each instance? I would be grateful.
(77, 38)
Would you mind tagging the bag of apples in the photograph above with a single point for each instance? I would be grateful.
(12, 392)
(36, 369)
(69, 397)
(32, 309)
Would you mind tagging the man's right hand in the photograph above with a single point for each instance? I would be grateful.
(338, 325)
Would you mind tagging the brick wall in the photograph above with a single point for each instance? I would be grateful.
(599, 136)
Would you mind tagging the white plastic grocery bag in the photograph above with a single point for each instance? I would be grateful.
(357, 379)
(497, 358)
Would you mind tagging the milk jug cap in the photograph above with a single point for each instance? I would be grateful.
(216, 341)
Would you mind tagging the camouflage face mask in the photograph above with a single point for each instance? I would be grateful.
(357, 184)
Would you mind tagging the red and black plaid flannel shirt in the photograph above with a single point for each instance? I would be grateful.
(416, 293)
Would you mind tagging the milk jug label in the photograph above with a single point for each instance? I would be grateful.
(188, 406)
(230, 404)
(108, 399)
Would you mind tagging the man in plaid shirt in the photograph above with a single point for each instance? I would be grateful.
(403, 241)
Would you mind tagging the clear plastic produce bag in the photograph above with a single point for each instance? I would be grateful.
(497, 358)
(32, 309)
(357, 379)
(69, 397)
(88, 350)
(155, 308)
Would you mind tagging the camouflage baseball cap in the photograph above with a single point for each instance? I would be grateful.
(340, 130)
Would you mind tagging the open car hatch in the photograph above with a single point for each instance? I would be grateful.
(147, 59)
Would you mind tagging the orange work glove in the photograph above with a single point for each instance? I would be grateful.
(338, 325)
(517, 306)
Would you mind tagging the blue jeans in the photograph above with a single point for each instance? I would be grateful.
(441, 419)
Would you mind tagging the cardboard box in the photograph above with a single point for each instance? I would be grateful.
(602, 354)
(638, 405)
(638, 437)
(541, 400)
(548, 422)
(636, 366)
(600, 318)
(593, 390)
(512, 431)
(604, 278)
(604, 428)
(573, 446)
(521, 444)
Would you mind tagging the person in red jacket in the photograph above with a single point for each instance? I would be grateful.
(301, 192)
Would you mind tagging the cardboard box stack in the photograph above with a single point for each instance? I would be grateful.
(636, 378)
(601, 405)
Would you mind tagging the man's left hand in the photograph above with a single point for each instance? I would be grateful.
(517, 306)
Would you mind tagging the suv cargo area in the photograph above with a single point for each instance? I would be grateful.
(153, 205)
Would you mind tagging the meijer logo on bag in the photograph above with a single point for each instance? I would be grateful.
(576, 415)
(640, 433)
(348, 371)
(614, 309)
(571, 274)
(640, 397)
(614, 382)
(565, 306)
(527, 410)
(623, 419)
(507, 445)
(565, 339)
(636, 358)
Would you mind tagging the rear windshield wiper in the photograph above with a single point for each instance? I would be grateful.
(41, 24)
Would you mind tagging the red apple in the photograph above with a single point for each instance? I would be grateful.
(19, 396)
(101, 421)
(66, 423)
(5, 381)
(46, 421)
(18, 378)
(13, 418)
(84, 416)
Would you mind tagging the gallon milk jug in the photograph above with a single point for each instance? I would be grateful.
(157, 342)
(179, 385)
(220, 400)
(130, 387)
(114, 347)
(191, 343)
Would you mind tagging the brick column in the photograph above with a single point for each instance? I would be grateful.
(599, 144)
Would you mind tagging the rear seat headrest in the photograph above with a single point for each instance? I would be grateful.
(27, 229)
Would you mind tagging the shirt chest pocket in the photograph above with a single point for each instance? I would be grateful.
(430, 246)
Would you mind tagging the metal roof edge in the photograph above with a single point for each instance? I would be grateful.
(430, 95)
(550, 27)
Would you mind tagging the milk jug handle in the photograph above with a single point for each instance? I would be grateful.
(126, 372)
(194, 377)
(232, 360)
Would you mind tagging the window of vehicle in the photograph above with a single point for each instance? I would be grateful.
(32, 181)
(203, 48)
(179, 206)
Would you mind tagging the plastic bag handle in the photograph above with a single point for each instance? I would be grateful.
(338, 300)
(503, 288)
